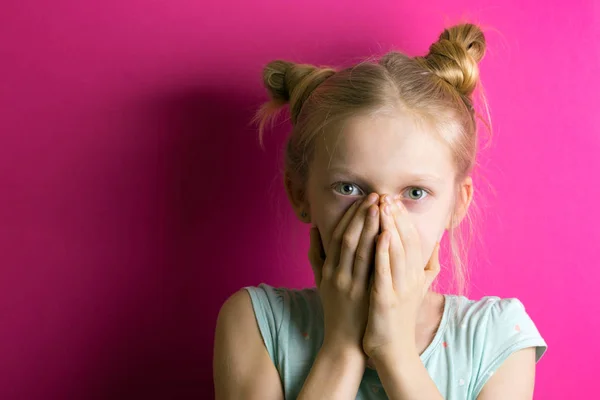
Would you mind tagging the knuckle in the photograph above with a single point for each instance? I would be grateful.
(341, 282)
(356, 293)
(348, 241)
(337, 236)
(361, 257)
(384, 270)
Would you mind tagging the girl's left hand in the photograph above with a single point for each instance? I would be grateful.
(401, 280)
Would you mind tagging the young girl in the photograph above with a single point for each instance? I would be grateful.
(379, 163)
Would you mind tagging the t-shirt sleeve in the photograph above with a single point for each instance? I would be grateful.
(505, 327)
(267, 303)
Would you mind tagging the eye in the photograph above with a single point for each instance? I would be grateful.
(417, 193)
(346, 188)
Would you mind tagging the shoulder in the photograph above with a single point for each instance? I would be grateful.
(235, 313)
(236, 310)
(496, 328)
(286, 323)
(283, 312)
(241, 364)
(235, 305)
(281, 300)
(491, 309)
(235, 316)
(499, 319)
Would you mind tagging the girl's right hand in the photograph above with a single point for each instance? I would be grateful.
(342, 278)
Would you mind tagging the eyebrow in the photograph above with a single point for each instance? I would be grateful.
(412, 177)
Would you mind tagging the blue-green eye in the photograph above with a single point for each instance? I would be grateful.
(346, 188)
(416, 193)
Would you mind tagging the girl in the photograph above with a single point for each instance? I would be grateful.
(379, 163)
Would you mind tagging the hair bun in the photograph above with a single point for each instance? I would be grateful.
(454, 57)
(292, 83)
(274, 80)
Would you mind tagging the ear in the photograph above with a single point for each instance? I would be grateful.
(464, 196)
(296, 193)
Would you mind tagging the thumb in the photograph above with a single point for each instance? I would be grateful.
(314, 255)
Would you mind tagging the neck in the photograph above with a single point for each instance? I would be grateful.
(431, 310)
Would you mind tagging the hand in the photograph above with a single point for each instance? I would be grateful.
(401, 280)
(342, 277)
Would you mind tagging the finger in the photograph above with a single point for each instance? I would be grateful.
(352, 237)
(335, 244)
(365, 252)
(371, 272)
(314, 255)
(396, 253)
(382, 279)
(409, 236)
(433, 267)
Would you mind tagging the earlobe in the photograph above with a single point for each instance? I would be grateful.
(296, 197)
(305, 217)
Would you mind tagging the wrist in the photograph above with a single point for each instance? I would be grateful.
(336, 373)
(393, 355)
(349, 355)
(403, 375)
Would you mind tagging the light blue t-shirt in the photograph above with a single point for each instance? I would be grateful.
(472, 340)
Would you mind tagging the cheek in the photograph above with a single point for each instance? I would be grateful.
(430, 231)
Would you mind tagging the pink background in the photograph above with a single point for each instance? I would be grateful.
(135, 197)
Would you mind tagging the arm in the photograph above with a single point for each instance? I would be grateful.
(336, 374)
(514, 379)
(408, 379)
(405, 377)
(243, 369)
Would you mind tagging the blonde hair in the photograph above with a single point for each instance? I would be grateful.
(436, 88)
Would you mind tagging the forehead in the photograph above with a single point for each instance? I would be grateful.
(384, 144)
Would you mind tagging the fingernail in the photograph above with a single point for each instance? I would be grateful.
(373, 211)
(386, 209)
(371, 198)
(388, 199)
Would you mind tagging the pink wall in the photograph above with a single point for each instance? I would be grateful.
(135, 197)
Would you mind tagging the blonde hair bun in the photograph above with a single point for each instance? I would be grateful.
(292, 83)
(455, 57)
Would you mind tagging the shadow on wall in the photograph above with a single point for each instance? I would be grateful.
(222, 227)
(209, 170)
